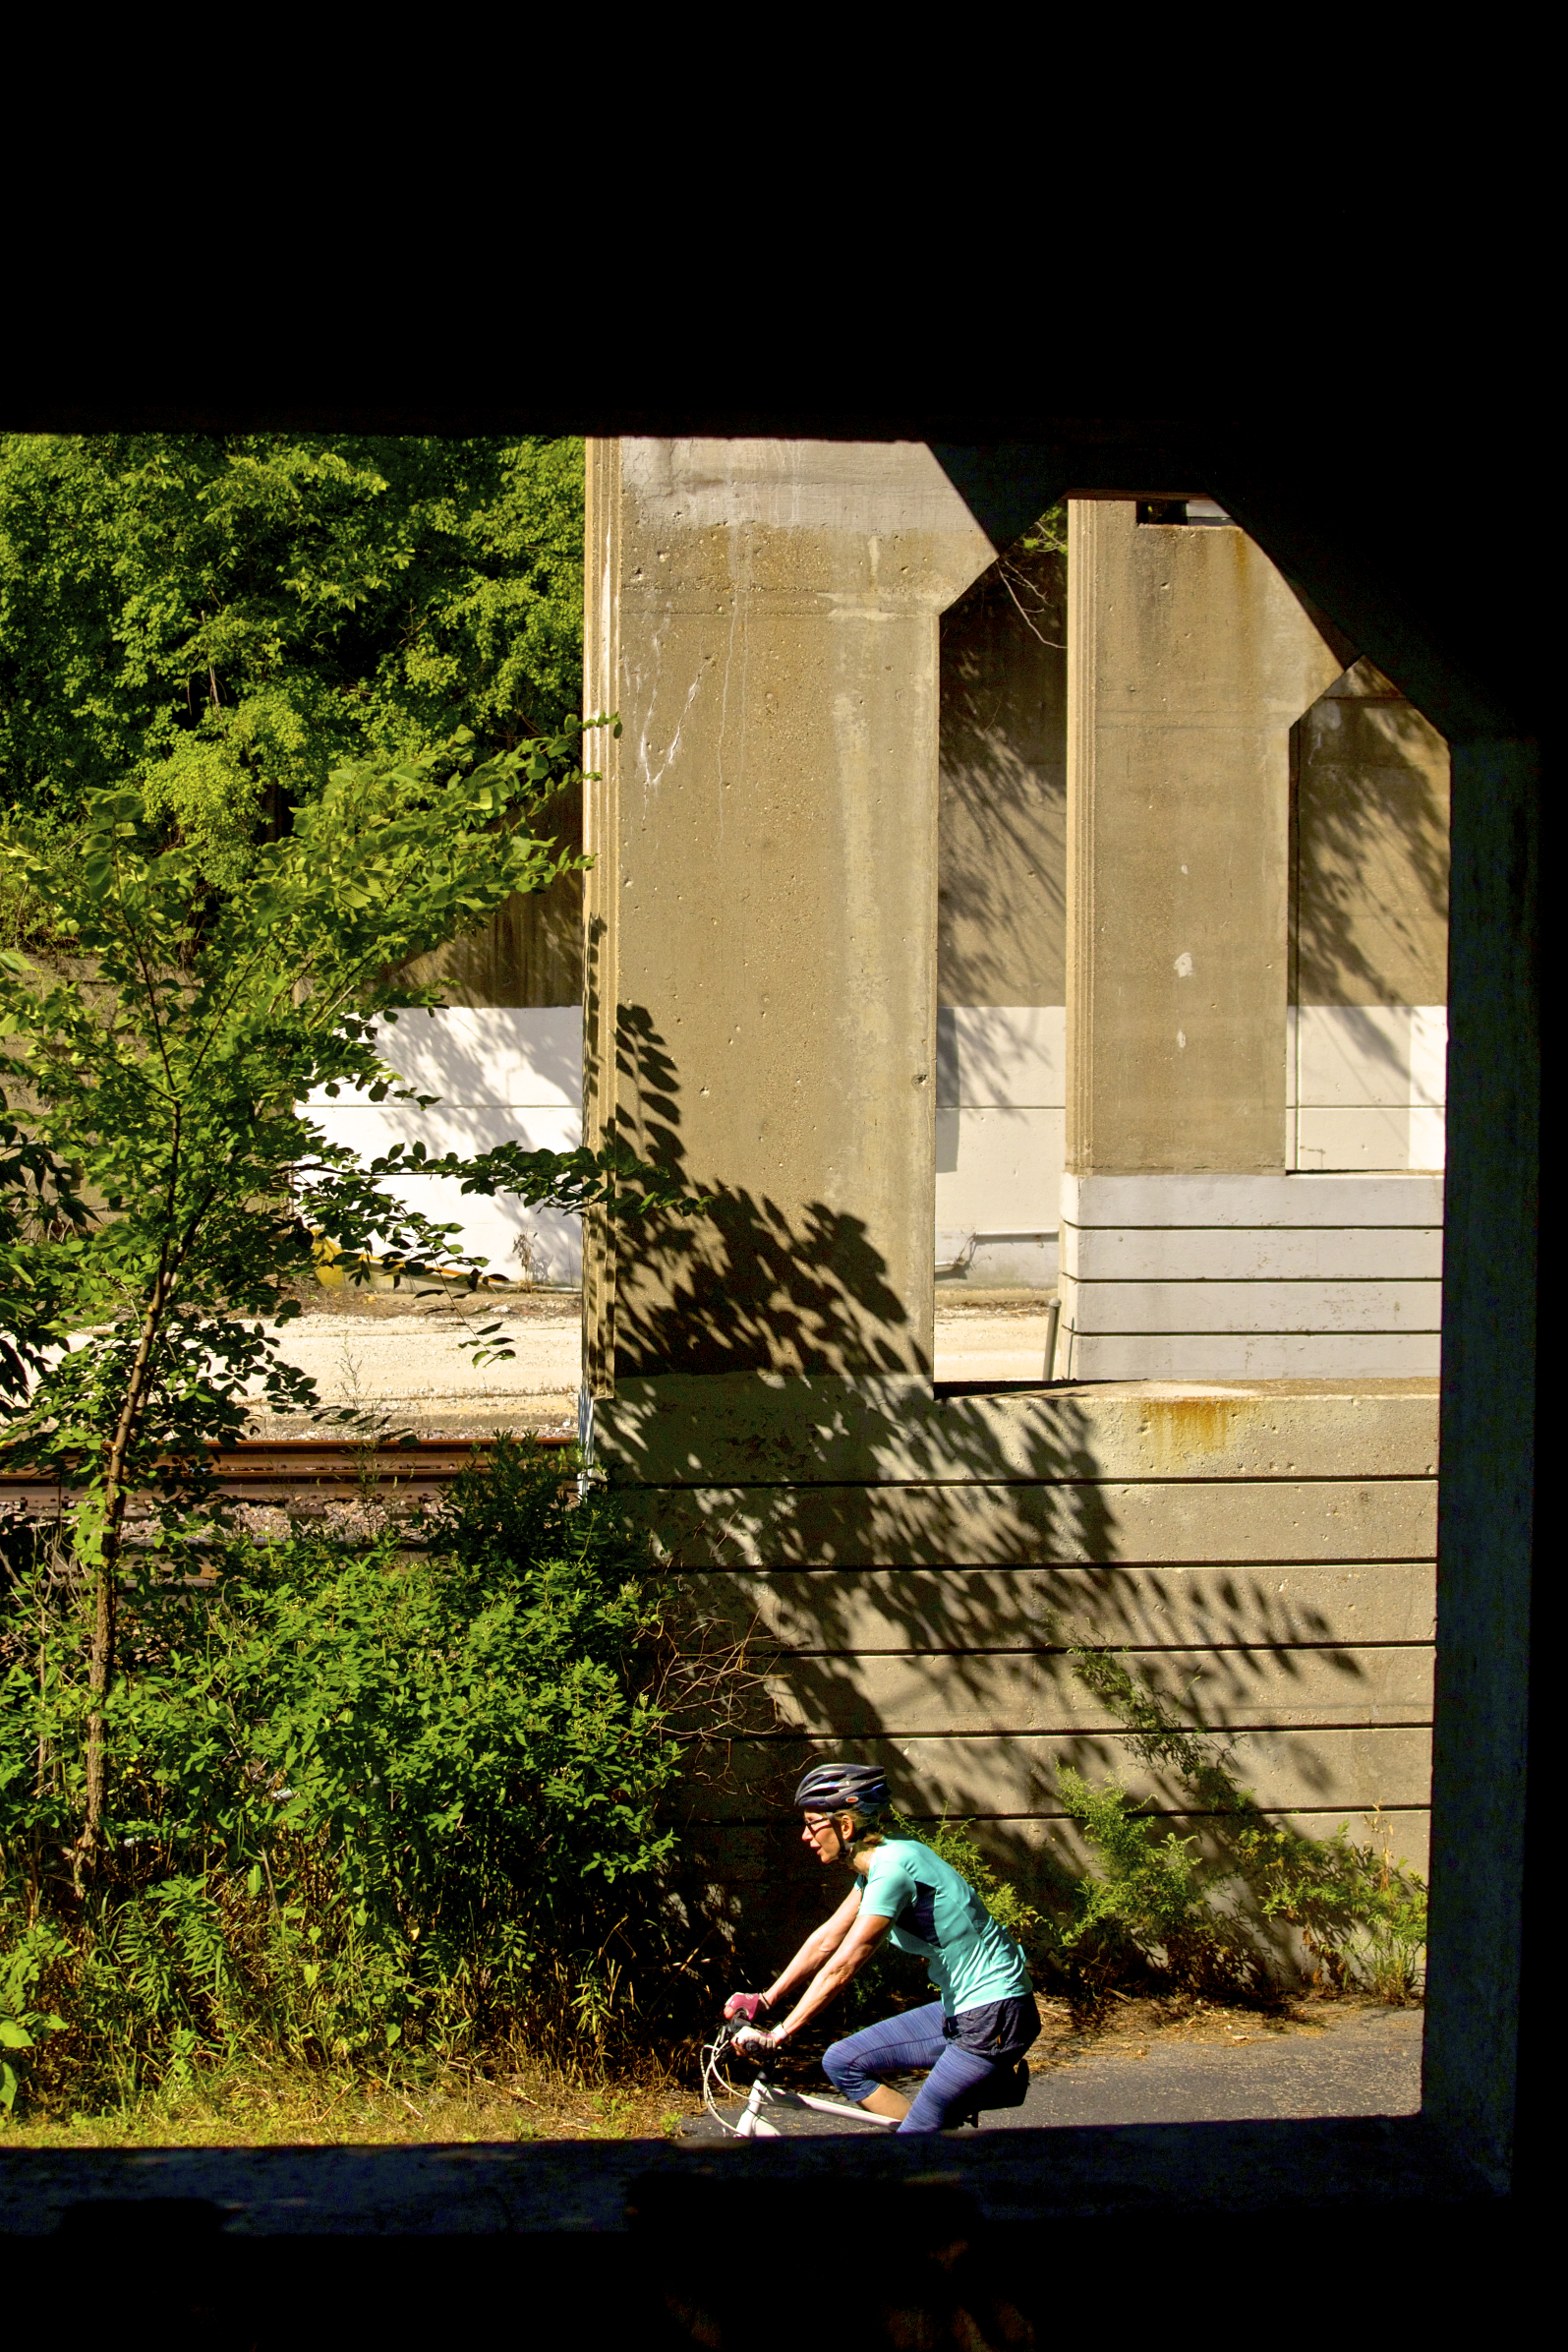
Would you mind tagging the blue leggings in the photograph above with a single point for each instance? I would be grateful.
(901, 2044)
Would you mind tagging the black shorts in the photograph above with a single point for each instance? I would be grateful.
(999, 2029)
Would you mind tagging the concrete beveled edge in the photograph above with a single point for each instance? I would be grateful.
(569, 2188)
(1187, 1200)
(814, 1429)
(873, 1390)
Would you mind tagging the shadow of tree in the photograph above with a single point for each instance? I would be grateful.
(913, 1566)
(1370, 819)
(1001, 905)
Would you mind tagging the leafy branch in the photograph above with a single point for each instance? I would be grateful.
(162, 1181)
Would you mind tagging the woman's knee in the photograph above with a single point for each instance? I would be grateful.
(839, 2067)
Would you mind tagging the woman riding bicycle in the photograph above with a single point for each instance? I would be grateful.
(973, 2038)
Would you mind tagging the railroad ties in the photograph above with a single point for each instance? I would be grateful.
(281, 1474)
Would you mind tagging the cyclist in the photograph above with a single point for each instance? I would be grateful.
(973, 2037)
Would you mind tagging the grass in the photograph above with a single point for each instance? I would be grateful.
(255, 2108)
(532, 2100)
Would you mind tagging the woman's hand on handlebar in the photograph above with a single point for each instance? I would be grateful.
(747, 2005)
(754, 2038)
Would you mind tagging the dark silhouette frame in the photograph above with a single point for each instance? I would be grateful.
(1333, 504)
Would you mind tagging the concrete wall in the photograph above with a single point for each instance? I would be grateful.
(761, 1010)
(504, 1056)
(1262, 1556)
(1001, 1082)
(1261, 1278)
(1247, 822)
(504, 1074)
(761, 988)
(531, 951)
(1366, 1046)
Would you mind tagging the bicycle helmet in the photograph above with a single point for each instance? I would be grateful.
(841, 1787)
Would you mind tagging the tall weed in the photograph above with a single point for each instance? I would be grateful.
(1157, 1906)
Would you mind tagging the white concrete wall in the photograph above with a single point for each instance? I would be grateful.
(1001, 1123)
(1365, 1086)
(1264, 1277)
(503, 1072)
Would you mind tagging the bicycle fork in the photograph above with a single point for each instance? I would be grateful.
(753, 2125)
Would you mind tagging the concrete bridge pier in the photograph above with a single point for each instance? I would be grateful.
(1194, 1245)
(761, 921)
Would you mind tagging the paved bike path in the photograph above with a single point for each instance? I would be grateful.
(1367, 2063)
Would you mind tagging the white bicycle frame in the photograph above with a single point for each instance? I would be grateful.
(753, 2124)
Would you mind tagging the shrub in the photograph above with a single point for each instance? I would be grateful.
(364, 1800)
(1156, 1907)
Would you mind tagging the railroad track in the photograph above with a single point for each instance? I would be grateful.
(280, 1471)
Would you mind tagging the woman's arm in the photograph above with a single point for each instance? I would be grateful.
(815, 1950)
(849, 1955)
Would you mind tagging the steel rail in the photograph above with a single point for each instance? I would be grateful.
(276, 1470)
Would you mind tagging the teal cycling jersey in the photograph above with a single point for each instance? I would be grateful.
(938, 1915)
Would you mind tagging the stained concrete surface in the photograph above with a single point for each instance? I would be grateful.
(1363, 2062)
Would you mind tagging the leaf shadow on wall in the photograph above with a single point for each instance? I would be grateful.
(1370, 820)
(1001, 905)
(913, 1567)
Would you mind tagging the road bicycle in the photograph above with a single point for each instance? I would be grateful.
(736, 2036)
(733, 2037)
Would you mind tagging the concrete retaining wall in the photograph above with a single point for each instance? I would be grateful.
(1262, 1556)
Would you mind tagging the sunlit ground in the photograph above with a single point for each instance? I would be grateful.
(256, 2108)
(314, 2110)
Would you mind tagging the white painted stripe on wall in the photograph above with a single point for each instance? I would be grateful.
(999, 1171)
(1203, 1277)
(1367, 1138)
(1365, 1086)
(473, 1054)
(504, 1073)
(1001, 1135)
(1258, 1306)
(1260, 1254)
(1370, 1054)
(994, 1057)
(1265, 1201)
(1256, 1356)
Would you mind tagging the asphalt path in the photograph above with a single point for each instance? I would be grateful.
(1365, 2062)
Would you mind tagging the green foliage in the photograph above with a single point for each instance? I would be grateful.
(166, 1065)
(167, 1181)
(1147, 1906)
(1049, 536)
(223, 618)
(367, 1802)
(22, 2023)
(1157, 1905)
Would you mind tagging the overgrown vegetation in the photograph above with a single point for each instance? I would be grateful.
(1229, 1915)
(373, 1811)
(1216, 1916)
(282, 714)
(166, 1182)
(223, 619)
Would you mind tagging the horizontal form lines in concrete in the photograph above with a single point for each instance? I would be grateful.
(1239, 1522)
(1209, 1276)
(1276, 1605)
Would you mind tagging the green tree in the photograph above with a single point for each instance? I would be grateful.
(166, 1174)
(223, 618)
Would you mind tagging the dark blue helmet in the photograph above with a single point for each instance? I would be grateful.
(841, 1787)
